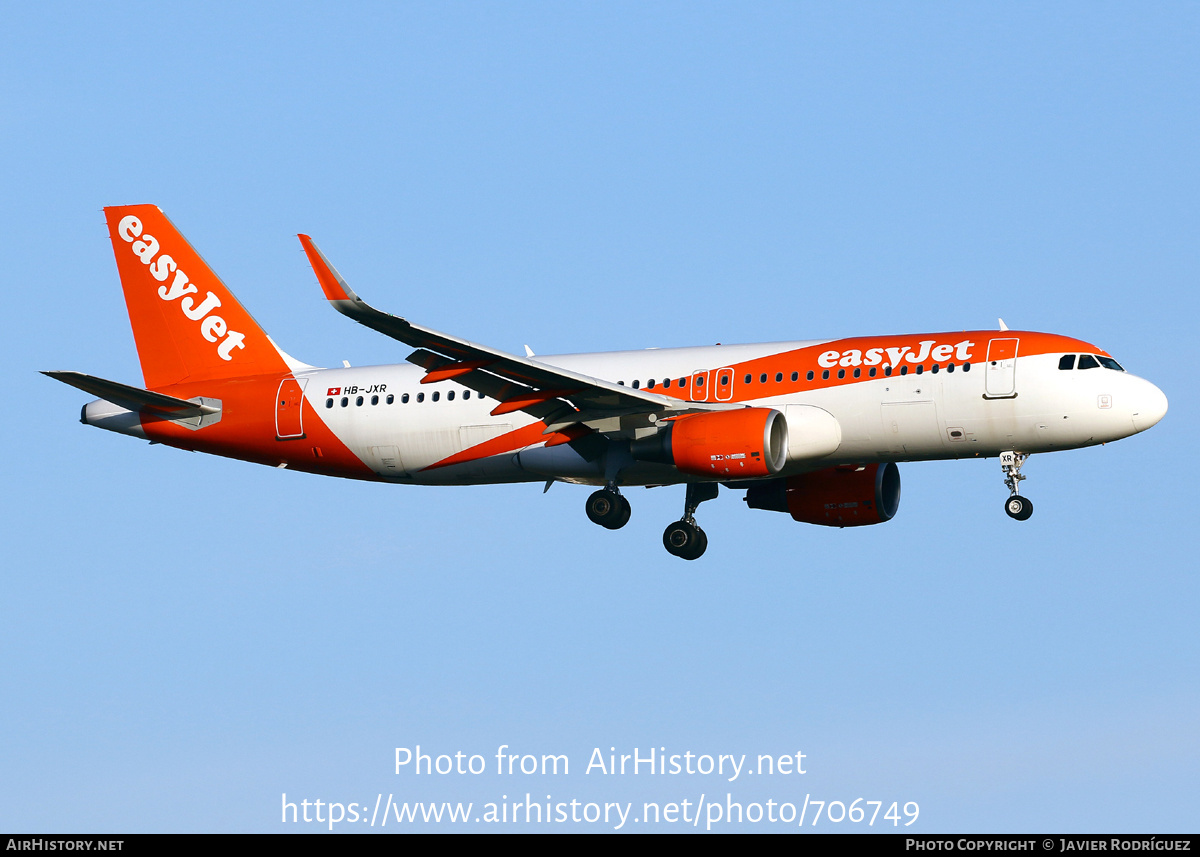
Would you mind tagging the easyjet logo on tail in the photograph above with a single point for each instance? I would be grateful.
(161, 266)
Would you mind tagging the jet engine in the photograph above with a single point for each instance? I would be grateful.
(844, 496)
(748, 443)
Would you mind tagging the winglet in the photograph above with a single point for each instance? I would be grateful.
(331, 281)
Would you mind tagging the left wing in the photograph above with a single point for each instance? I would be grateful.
(557, 396)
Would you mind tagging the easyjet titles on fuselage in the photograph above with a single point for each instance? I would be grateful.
(926, 349)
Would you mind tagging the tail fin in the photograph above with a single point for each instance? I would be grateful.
(187, 324)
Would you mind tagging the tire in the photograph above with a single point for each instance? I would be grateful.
(608, 509)
(623, 518)
(1018, 508)
(684, 540)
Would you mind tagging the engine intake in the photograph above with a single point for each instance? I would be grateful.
(844, 496)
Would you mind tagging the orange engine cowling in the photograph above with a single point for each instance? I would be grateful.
(845, 496)
(748, 443)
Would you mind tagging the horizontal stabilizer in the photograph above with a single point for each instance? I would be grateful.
(134, 398)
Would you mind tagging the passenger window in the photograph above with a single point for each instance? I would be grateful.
(935, 369)
(748, 379)
(949, 367)
(390, 398)
(650, 384)
(437, 395)
(420, 397)
(636, 384)
(450, 396)
(841, 373)
(1067, 361)
(724, 380)
(762, 379)
(699, 381)
(374, 400)
(903, 370)
(810, 375)
(825, 375)
(358, 402)
(795, 376)
(1087, 361)
(872, 372)
(329, 403)
(857, 373)
(466, 394)
(404, 399)
(967, 366)
(345, 401)
(778, 377)
(920, 368)
(887, 371)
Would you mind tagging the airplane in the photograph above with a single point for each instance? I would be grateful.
(810, 428)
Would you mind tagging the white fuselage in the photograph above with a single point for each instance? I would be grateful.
(933, 415)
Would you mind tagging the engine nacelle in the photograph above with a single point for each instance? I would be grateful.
(845, 496)
(748, 443)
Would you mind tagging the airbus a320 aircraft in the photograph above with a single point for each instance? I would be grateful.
(810, 428)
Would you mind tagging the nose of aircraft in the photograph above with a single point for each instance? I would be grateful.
(1150, 406)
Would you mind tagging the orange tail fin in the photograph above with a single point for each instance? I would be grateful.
(187, 324)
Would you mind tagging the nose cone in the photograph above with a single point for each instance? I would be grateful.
(1149, 407)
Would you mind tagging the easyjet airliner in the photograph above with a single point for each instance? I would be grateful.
(812, 428)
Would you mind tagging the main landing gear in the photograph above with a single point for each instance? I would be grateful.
(684, 538)
(608, 508)
(1017, 507)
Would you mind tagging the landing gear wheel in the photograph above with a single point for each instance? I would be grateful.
(1018, 507)
(608, 509)
(626, 512)
(685, 540)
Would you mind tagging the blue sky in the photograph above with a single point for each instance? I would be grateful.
(187, 638)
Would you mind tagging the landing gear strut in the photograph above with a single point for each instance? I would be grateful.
(1017, 507)
(608, 508)
(684, 538)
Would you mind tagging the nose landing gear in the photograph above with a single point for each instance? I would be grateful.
(1017, 507)
(684, 538)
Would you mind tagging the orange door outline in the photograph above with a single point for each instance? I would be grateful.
(289, 409)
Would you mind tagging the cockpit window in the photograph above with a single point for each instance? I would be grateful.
(1067, 361)
(1087, 361)
(1109, 363)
